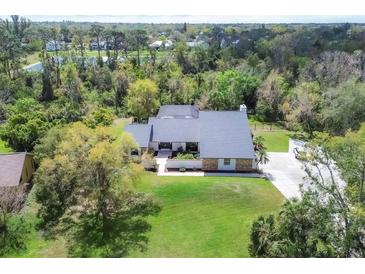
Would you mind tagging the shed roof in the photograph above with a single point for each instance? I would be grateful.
(11, 167)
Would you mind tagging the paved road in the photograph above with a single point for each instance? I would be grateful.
(285, 171)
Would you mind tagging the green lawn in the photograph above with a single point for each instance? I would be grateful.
(119, 124)
(32, 58)
(275, 141)
(276, 138)
(200, 217)
(4, 148)
(206, 216)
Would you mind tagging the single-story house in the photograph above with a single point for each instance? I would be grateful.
(16, 168)
(94, 45)
(55, 45)
(161, 44)
(197, 43)
(222, 139)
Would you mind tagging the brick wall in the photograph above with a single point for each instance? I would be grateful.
(210, 164)
(243, 164)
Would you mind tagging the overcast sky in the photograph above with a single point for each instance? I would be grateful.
(183, 7)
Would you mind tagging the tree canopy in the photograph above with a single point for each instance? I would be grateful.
(85, 190)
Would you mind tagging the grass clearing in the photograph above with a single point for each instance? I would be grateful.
(200, 217)
(37, 245)
(276, 138)
(4, 147)
(275, 141)
(118, 126)
(206, 216)
(32, 58)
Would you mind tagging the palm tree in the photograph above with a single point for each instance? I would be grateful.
(260, 149)
(262, 236)
(262, 157)
(96, 32)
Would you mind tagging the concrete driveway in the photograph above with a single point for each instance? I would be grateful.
(285, 171)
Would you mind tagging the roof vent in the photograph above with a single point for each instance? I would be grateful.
(243, 108)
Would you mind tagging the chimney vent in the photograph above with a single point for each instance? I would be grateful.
(243, 108)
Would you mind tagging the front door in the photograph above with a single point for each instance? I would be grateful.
(165, 145)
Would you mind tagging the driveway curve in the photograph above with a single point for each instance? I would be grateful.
(285, 171)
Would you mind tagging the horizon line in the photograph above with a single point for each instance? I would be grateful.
(200, 19)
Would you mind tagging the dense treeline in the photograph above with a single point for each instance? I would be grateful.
(307, 77)
(288, 73)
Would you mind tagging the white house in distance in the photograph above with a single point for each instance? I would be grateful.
(221, 139)
(55, 45)
(161, 44)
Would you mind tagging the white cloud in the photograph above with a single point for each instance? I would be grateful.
(184, 7)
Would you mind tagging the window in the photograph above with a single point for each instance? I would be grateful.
(227, 162)
(191, 146)
(164, 145)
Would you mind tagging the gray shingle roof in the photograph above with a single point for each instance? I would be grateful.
(11, 167)
(141, 133)
(225, 134)
(174, 130)
(178, 111)
(221, 134)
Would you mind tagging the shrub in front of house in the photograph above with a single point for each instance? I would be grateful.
(185, 156)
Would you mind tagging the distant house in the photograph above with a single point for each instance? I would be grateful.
(197, 43)
(161, 44)
(104, 45)
(222, 139)
(223, 43)
(89, 61)
(16, 168)
(55, 45)
(94, 46)
(235, 42)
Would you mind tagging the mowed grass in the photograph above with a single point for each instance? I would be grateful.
(276, 138)
(200, 217)
(4, 148)
(275, 141)
(118, 126)
(206, 216)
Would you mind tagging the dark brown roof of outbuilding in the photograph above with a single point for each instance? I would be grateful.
(11, 167)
